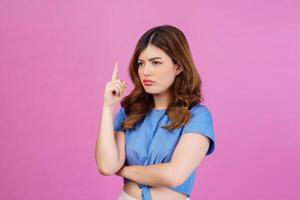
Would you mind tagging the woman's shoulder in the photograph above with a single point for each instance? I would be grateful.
(200, 111)
(196, 109)
(199, 108)
(122, 112)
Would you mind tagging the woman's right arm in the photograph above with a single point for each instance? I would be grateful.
(110, 154)
(110, 145)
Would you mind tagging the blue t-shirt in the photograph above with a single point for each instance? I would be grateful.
(149, 144)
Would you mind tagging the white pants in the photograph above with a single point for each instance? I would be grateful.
(125, 196)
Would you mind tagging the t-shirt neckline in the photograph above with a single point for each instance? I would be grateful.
(159, 110)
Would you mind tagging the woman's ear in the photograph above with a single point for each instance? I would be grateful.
(178, 69)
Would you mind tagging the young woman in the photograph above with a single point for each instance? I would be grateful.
(162, 132)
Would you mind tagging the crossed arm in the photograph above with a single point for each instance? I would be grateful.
(189, 152)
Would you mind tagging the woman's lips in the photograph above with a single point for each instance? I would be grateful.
(148, 83)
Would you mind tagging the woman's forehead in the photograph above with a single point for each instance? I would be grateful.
(151, 52)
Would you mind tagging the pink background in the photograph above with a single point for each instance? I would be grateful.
(56, 56)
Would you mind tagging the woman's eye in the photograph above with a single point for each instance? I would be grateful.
(156, 63)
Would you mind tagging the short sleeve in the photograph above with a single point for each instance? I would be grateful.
(120, 116)
(202, 123)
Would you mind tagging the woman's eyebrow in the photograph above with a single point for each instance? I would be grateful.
(151, 58)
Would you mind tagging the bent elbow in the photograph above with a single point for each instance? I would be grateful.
(175, 181)
(105, 172)
(174, 178)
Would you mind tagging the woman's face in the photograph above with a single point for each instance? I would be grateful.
(155, 65)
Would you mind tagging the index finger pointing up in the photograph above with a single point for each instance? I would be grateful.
(115, 72)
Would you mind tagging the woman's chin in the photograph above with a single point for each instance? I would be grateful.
(150, 91)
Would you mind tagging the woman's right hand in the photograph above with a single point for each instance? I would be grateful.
(114, 89)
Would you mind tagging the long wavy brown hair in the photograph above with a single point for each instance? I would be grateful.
(185, 90)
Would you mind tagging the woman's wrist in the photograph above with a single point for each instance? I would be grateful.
(122, 171)
(108, 109)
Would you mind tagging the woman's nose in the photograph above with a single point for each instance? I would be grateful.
(147, 70)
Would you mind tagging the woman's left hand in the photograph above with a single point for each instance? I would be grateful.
(120, 172)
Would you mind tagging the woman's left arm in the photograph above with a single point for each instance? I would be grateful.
(153, 175)
(189, 152)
